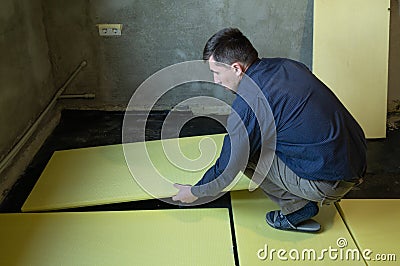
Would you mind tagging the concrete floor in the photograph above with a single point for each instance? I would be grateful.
(78, 129)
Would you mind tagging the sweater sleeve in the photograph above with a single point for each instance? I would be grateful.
(241, 142)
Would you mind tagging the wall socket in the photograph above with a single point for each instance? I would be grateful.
(110, 29)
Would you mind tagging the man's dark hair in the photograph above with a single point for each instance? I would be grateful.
(228, 46)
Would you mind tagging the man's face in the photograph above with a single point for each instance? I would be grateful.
(224, 75)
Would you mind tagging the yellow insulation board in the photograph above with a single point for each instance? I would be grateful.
(100, 175)
(157, 237)
(260, 244)
(350, 55)
(373, 224)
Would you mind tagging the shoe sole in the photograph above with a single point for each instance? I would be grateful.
(308, 226)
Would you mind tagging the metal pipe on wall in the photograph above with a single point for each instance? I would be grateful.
(14, 151)
(78, 96)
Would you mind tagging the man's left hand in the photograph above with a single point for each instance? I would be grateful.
(184, 194)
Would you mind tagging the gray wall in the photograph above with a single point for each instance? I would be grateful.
(26, 82)
(159, 33)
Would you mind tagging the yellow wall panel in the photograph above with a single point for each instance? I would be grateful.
(350, 55)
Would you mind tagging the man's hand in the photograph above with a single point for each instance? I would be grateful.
(184, 194)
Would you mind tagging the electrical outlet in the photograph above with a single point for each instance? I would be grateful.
(110, 29)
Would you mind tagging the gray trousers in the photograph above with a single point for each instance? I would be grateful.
(292, 193)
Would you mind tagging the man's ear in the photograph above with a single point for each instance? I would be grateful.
(238, 68)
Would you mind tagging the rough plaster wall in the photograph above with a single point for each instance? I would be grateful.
(71, 36)
(26, 83)
(157, 34)
(276, 28)
(394, 57)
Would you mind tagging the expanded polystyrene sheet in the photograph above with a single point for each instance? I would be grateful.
(100, 175)
(373, 224)
(350, 55)
(155, 237)
(259, 244)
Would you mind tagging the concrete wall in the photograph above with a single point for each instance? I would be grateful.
(160, 33)
(26, 81)
(394, 58)
(72, 37)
